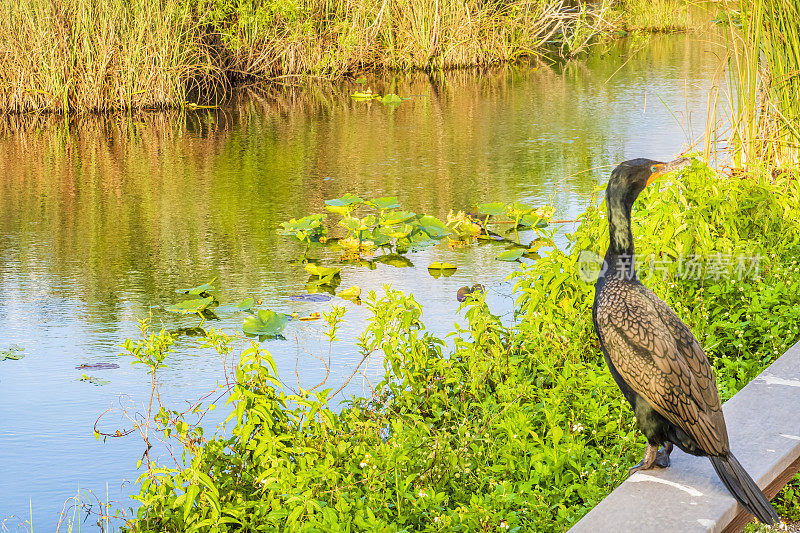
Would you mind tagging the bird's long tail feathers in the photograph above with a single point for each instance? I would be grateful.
(743, 488)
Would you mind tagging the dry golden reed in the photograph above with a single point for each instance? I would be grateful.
(101, 55)
(106, 55)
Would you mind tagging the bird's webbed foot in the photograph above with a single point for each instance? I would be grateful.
(653, 458)
(662, 457)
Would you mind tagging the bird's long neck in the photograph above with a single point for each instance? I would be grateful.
(620, 255)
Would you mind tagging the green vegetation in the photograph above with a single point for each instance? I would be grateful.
(516, 427)
(86, 55)
(78, 56)
(765, 72)
(383, 227)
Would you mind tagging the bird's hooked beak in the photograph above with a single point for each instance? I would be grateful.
(662, 168)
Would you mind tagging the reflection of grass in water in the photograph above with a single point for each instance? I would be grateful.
(116, 202)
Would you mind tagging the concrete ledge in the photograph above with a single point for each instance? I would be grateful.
(764, 429)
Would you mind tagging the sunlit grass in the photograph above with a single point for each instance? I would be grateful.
(93, 55)
(764, 68)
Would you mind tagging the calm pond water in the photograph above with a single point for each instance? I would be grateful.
(104, 218)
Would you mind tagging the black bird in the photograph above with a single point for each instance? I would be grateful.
(653, 356)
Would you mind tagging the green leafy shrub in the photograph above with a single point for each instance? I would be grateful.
(517, 428)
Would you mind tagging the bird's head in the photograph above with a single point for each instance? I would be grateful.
(632, 176)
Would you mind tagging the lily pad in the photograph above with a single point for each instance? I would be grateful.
(313, 316)
(441, 266)
(347, 199)
(391, 99)
(532, 221)
(188, 307)
(200, 290)
(353, 224)
(420, 242)
(398, 231)
(245, 305)
(265, 322)
(302, 224)
(494, 208)
(13, 353)
(396, 217)
(317, 287)
(316, 298)
(438, 273)
(352, 293)
(93, 380)
(435, 228)
(511, 255)
(97, 366)
(320, 271)
(395, 260)
(386, 202)
(364, 96)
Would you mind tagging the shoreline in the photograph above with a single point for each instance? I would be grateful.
(70, 57)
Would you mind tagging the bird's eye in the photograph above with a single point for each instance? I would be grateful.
(653, 168)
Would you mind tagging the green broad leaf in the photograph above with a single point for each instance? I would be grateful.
(386, 202)
(532, 221)
(317, 288)
(353, 224)
(359, 96)
(13, 353)
(441, 266)
(518, 209)
(265, 322)
(377, 236)
(396, 217)
(398, 231)
(245, 305)
(351, 293)
(420, 241)
(347, 199)
(320, 271)
(439, 273)
(435, 228)
(362, 80)
(188, 307)
(511, 255)
(395, 260)
(93, 380)
(200, 290)
(303, 224)
(342, 210)
(391, 99)
(494, 208)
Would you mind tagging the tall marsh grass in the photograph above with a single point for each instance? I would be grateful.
(764, 67)
(101, 55)
(331, 37)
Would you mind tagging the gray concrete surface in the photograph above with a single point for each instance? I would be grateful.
(763, 422)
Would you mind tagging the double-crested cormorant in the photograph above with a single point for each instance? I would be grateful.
(653, 356)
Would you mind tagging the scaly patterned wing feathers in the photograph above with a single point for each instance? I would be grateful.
(657, 356)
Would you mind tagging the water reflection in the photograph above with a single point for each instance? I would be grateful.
(103, 218)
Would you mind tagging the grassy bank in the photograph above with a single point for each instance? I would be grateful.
(511, 428)
(88, 55)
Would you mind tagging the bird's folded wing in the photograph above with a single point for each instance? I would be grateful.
(659, 358)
